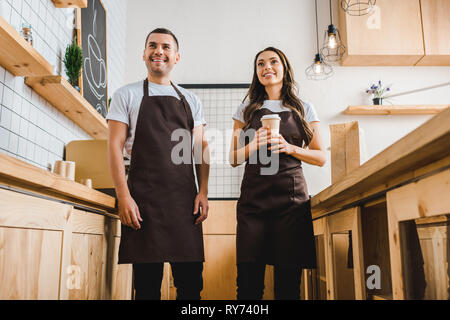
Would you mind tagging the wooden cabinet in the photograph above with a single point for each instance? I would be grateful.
(32, 245)
(51, 251)
(398, 33)
(436, 28)
(391, 35)
(419, 261)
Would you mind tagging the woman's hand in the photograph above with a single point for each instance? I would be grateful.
(262, 137)
(280, 145)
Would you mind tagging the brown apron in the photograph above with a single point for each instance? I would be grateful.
(273, 211)
(164, 192)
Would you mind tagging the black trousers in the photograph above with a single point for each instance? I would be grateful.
(250, 281)
(187, 278)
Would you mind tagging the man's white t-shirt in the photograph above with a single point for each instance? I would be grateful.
(277, 106)
(126, 102)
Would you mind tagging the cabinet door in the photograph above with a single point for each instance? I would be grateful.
(391, 35)
(86, 271)
(32, 241)
(345, 261)
(436, 26)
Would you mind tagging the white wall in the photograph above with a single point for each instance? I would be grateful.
(220, 38)
(31, 129)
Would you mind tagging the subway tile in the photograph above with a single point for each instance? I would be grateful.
(30, 150)
(8, 96)
(37, 154)
(22, 147)
(9, 79)
(45, 140)
(44, 158)
(16, 21)
(4, 138)
(15, 123)
(5, 120)
(5, 10)
(32, 133)
(26, 12)
(32, 116)
(23, 131)
(2, 74)
(13, 143)
(16, 5)
(17, 103)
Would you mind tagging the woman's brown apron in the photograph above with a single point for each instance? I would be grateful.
(164, 191)
(273, 211)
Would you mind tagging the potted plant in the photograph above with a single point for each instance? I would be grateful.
(378, 92)
(73, 60)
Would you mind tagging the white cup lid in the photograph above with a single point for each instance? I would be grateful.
(271, 117)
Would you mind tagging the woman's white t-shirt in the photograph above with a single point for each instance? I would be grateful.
(276, 106)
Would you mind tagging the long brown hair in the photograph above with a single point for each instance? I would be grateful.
(257, 95)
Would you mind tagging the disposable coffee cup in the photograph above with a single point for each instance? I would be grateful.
(88, 183)
(60, 168)
(273, 122)
(70, 170)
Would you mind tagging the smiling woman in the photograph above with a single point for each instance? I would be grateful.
(274, 224)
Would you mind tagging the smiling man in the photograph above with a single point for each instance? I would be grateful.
(159, 206)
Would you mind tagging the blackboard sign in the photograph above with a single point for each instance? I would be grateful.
(93, 42)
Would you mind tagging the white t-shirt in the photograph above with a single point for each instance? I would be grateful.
(126, 102)
(276, 106)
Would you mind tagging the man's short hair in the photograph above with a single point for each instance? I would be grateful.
(163, 31)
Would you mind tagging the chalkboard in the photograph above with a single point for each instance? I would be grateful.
(94, 82)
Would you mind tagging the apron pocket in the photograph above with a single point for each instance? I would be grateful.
(300, 193)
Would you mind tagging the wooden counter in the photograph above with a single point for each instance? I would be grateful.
(422, 151)
(19, 174)
(59, 240)
(384, 226)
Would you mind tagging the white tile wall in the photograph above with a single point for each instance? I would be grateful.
(31, 129)
(218, 106)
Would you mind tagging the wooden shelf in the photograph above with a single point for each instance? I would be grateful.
(397, 110)
(18, 56)
(70, 3)
(41, 180)
(65, 98)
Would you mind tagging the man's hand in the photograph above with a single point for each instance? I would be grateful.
(129, 212)
(201, 202)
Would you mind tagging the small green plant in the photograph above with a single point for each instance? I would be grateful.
(72, 62)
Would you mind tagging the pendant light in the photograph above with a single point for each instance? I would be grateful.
(358, 7)
(319, 70)
(333, 49)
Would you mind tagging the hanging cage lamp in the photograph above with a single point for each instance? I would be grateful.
(333, 50)
(319, 70)
(358, 7)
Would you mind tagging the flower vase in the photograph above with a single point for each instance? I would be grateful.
(377, 101)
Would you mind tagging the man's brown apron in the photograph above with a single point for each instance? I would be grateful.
(273, 211)
(164, 191)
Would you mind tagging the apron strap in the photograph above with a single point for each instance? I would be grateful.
(187, 108)
(146, 87)
(302, 128)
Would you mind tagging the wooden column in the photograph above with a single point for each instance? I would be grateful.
(347, 220)
(313, 279)
(345, 156)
